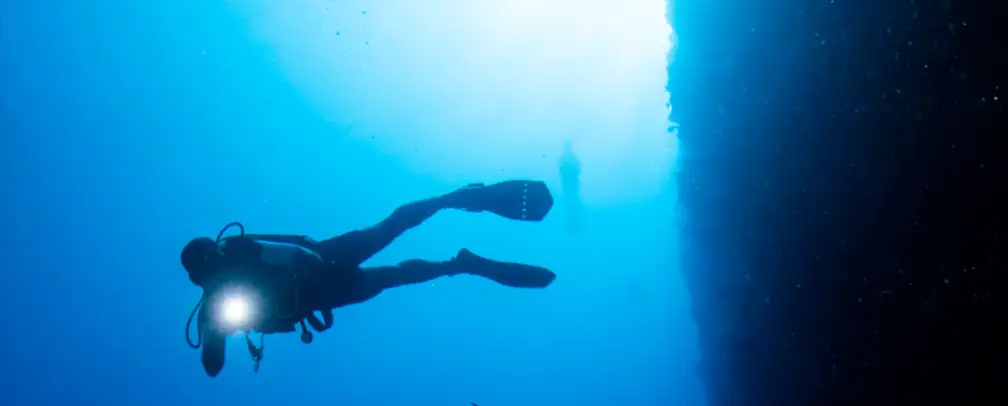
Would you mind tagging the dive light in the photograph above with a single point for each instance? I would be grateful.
(237, 309)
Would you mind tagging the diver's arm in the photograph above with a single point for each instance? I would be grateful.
(214, 343)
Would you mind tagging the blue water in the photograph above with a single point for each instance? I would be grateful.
(128, 128)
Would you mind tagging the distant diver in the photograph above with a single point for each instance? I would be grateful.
(269, 283)
(570, 182)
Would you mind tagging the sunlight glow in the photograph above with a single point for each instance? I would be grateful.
(477, 87)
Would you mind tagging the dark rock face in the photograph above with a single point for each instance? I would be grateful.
(843, 172)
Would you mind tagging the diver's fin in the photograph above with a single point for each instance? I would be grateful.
(504, 273)
(524, 200)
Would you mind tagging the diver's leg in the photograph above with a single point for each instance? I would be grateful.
(369, 282)
(360, 285)
(410, 272)
(353, 248)
(419, 271)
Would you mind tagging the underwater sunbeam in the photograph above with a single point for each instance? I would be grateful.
(485, 86)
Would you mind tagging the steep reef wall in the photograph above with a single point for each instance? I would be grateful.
(844, 195)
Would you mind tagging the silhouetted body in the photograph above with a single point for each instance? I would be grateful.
(298, 276)
(570, 182)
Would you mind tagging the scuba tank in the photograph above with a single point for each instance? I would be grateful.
(312, 320)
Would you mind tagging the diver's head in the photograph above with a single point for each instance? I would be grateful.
(201, 257)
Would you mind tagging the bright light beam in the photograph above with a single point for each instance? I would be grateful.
(235, 311)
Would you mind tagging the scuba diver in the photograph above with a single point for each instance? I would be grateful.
(271, 283)
(570, 181)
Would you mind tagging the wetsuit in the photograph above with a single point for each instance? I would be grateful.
(335, 277)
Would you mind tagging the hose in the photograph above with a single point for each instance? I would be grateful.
(199, 328)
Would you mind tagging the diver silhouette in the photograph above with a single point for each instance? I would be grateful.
(570, 182)
(271, 283)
